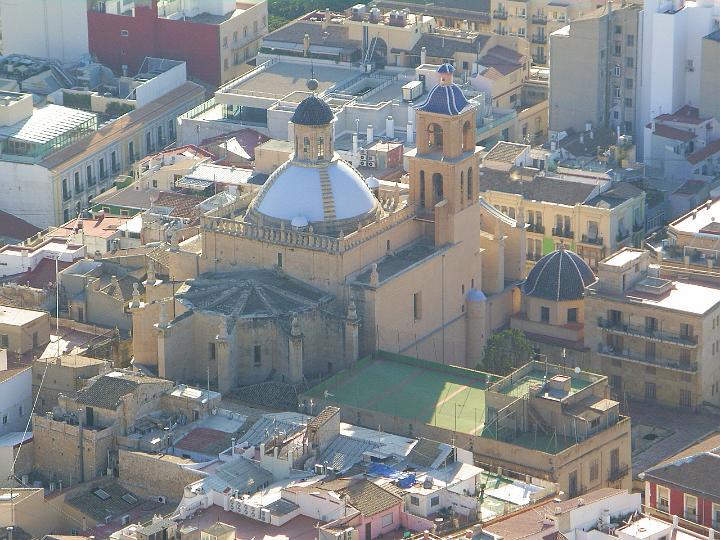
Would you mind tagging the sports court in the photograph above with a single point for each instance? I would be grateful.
(449, 397)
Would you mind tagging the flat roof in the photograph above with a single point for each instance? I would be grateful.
(18, 316)
(46, 123)
(688, 297)
(622, 257)
(698, 219)
(283, 78)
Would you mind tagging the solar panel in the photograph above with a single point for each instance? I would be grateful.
(101, 494)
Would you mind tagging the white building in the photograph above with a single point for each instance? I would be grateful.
(671, 54)
(54, 29)
(15, 397)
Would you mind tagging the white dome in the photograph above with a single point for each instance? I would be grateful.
(297, 191)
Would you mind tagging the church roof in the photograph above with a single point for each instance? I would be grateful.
(250, 293)
(323, 192)
(312, 111)
(445, 98)
(559, 276)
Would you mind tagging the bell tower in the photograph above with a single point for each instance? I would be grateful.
(444, 165)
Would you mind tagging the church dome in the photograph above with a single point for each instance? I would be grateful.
(330, 197)
(559, 276)
(312, 111)
(446, 97)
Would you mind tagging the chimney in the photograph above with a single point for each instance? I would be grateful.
(675, 522)
(423, 55)
(306, 45)
(355, 147)
(370, 134)
(390, 127)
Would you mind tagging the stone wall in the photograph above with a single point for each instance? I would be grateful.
(150, 475)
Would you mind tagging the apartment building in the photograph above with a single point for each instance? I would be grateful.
(655, 338)
(535, 20)
(214, 38)
(471, 15)
(709, 77)
(672, 55)
(588, 212)
(54, 160)
(602, 48)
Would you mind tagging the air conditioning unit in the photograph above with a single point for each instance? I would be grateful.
(363, 163)
(372, 164)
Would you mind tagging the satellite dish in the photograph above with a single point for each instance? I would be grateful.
(577, 370)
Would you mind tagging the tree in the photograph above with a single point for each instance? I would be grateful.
(505, 351)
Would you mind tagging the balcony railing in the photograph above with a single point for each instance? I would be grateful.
(500, 14)
(592, 240)
(687, 367)
(539, 39)
(539, 19)
(618, 473)
(536, 228)
(562, 232)
(652, 334)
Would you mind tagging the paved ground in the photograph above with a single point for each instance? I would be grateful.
(677, 429)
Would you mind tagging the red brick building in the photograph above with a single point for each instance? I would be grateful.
(215, 46)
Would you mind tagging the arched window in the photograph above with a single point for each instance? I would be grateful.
(462, 185)
(468, 141)
(435, 137)
(306, 148)
(321, 148)
(422, 189)
(470, 184)
(438, 187)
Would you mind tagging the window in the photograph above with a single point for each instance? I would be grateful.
(225, 42)
(235, 35)
(616, 383)
(618, 49)
(594, 470)
(279, 260)
(630, 40)
(4, 341)
(617, 92)
(628, 102)
(715, 515)
(663, 499)
(415, 501)
(572, 315)
(102, 167)
(435, 501)
(470, 184)
(650, 391)
(629, 62)
(20, 410)
(686, 330)
(245, 30)
(255, 27)
(387, 520)
(417, 306)
(618, 29)
(321, 148)
(545, 314)
(257, 355)
(5, 419)
(306, 146)
(226, 64)
(211, 351)
(629, 84)
(618, 70)
(690, 507)
(124, 33)
(685, 399)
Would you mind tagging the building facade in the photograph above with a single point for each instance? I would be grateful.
(603, 47)
(214, 39)
(655, 338)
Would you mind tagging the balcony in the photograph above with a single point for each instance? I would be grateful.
(500, 14)
(562, 232)
(618, 473)
(647, 333)
(539, 19)
(592, 240)
(539, 39)
(609, 352)
(539, 59)
(536, 228)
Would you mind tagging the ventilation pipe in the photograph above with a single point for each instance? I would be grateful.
(370, 134)
(390, 127)
(423, 55)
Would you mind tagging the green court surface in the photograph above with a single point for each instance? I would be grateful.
(537, 377)
(445, 396)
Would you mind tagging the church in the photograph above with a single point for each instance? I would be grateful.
(318, 268)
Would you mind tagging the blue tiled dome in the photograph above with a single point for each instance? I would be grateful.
(560, 275)
(312, 111)
(445, 98)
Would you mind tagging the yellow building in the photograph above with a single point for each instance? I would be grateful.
(588, 212)
(655, 338)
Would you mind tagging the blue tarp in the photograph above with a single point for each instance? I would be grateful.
(404, 480)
